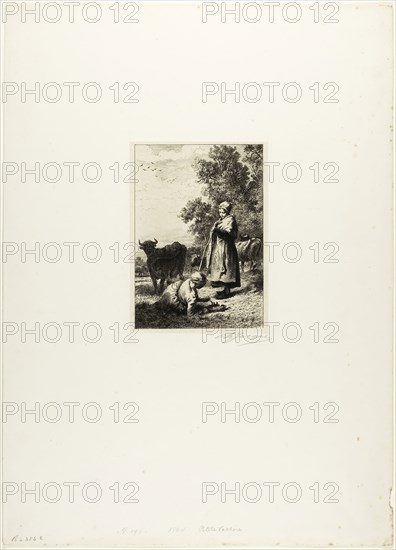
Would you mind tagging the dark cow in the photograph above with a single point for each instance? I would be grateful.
(249, 250)
(165, 263)
(195, 260)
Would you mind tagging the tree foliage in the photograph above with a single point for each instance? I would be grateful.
(227, 176)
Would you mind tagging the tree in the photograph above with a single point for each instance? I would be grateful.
(253, 157)
(200, 216)
(227, 177)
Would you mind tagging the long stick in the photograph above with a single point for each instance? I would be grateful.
(203, 254)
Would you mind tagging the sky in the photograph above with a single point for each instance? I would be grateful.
(166, 181)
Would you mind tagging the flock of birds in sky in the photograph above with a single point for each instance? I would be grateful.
(150, 167)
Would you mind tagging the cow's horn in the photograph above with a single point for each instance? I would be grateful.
(155, 240)
(140, 243)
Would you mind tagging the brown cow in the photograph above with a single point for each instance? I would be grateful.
(249, 250)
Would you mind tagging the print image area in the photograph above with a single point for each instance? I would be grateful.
(198, 212)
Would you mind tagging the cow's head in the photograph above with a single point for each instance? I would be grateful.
(148, 246)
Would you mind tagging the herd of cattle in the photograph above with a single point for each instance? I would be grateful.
(168, 262)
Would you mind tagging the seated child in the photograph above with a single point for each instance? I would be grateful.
(182, 296)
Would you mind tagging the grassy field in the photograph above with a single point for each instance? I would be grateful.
(244, 307)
